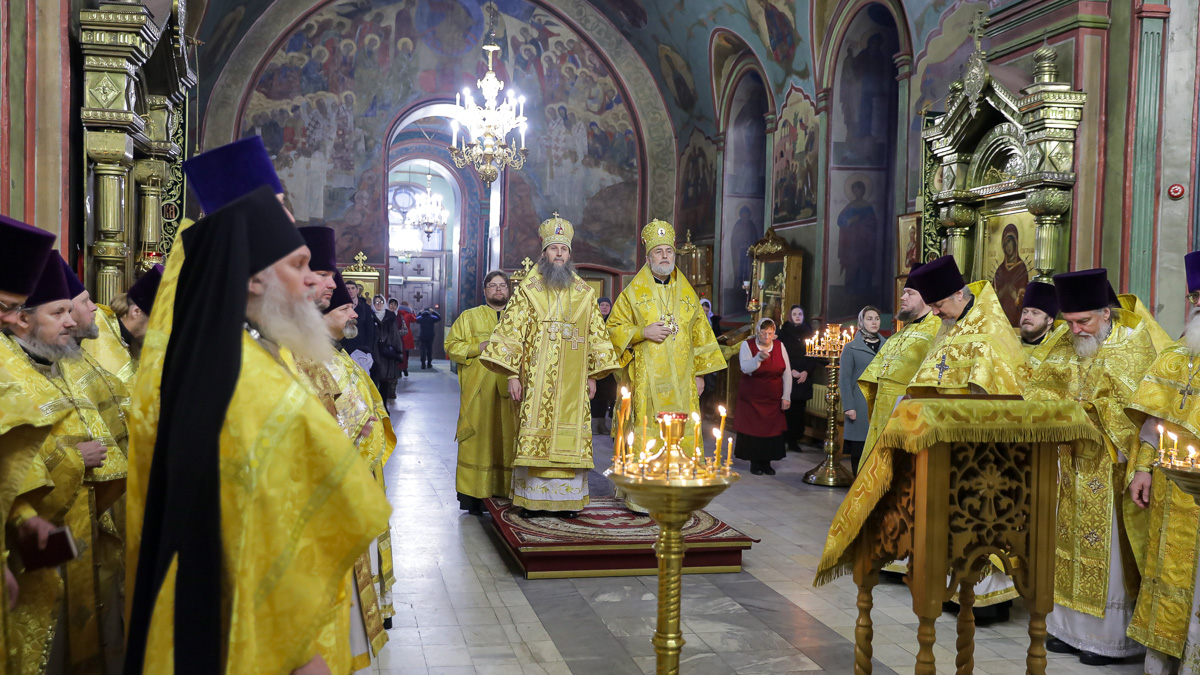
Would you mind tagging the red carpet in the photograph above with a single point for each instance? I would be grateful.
(609, 540)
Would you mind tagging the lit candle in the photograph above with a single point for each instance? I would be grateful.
(1191, 457)
(699, 442)
(717, 452)
(625, 449)
(523, 135)
(644, 423)
(721, 409)
(1162, 451)
(454, 130)
(729, 456)
(1174, 446)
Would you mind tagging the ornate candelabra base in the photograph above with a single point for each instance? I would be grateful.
(671, 503)
(830, 473)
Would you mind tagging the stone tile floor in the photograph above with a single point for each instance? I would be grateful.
(462, 606)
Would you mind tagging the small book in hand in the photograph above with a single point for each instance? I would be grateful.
(60, 549)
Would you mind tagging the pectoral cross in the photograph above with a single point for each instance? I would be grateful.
(941, 368)
(574, 337)
(1186, 391)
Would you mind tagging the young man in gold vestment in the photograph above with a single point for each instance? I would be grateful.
(1098, 362)
(1038, 328)
(78, 474)
(122, 327)
(487, 417)
(552, 346)
(362, 414)
(1165, 618)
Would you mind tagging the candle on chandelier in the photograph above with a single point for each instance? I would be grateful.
(1162, 451)
(454, 130)
(721, 409)
(717, 452)
(523, 125)
(1191, 457)
(699, 440)
(625, 449)
(729, 456)
(1174, 446)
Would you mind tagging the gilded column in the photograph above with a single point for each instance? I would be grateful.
(111, 153)
(957, 221)
(1049, 207)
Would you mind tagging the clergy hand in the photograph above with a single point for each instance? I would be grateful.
(1139, 488)
(13, 589)
(368, 428)
(483, 345)
(94, 453)
(315, 667)
(36, 526)
(514, 389)
(591, 389)
(656, 332)
(699, 386)
(851, 415)
(785, 404)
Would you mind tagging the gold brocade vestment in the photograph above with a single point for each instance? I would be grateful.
(487, 417)
(110, 349)
(979, 354)
(887, 376)
(663, 375)
(60, 489)
(1092, 480)
(29, 408)
(554, 341)
(1164, 604)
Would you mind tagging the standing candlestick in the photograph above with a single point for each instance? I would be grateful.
(829, 344)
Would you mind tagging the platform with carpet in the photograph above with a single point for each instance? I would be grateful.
(609, 540)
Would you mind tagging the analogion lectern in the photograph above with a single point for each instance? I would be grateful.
(957, 485)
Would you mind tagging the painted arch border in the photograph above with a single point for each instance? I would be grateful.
(229, 94)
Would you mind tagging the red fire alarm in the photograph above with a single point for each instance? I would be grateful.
(1175, 192)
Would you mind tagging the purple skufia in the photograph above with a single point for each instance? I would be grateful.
(340, 296)
(223, 174)
(1191, 261)
(1041, 295)
(936, 280)
(322, 244)
(51, 286)
(23, 254)
(74, 285)
(144, 290)
(1082, 290)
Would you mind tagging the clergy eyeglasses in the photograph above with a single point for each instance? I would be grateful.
(1193, 297)
(496, 287)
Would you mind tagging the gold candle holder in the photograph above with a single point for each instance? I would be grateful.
(671, 484)
(1183, 473)
(830, 472)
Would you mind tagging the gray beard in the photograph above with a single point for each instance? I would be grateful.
(1191, 332)
(49, 351)
(662, 270)
(351, 330)
(1087, 346)
(299, 326)
(557, 278)
(90, 333)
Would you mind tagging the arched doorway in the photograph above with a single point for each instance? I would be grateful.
(744, 188)
(860, 240)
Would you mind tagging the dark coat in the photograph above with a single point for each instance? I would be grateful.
(428, 320)
(856, 356)
(388, 334)
(793, 337)
(367, 333)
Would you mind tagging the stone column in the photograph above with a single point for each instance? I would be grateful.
(1145, 123)
(719, 210)
(771, 120)
(903, 63)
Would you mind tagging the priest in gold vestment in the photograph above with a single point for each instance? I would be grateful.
(552, 346)
(662, 336)
(1038, 329)
(362, 414)
(122, 327)
(1165, 618)
(236, 434)
(487, 417)
(26, 416)
(1098, 362)
(78, 474)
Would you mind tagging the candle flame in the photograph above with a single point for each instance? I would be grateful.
(624, 392)
(1191, 451)
(717, 434)
(649, 444)
(721, 409)
(630, 438)
(1171, 435)
(696, 417)
(1160, 429)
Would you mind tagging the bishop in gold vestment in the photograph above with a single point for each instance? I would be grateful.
(487, 416)
(1097, 362)
(1165, 618)
(663, 336)
(552, 346)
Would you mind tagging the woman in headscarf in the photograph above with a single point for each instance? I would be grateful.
(856, 356)
(389, 351)
(792, 334)
(606, 388)
(763, 396)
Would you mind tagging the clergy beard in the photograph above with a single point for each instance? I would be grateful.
(557, 277)
(1191, 332)
(298, 326)
(1087, 346)
(50, 351)
(351, 330)
(662, 270)
(1031, 334)
(907, 316)
(81, 333)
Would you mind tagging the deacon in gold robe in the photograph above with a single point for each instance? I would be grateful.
(78, 474)
(976, 350)
(663, 337)
(121, 327)
(296, 503)
(26, 413)
(887, 376)
(487, 418)
(1165, 618)
(1097, 362)
(362, 414)
(552, 346)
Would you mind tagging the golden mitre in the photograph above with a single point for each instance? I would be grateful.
(656, 233)
(556, 230)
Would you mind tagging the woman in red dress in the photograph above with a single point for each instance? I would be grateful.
(763, 395)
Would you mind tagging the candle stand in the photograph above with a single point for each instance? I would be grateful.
(829, 344)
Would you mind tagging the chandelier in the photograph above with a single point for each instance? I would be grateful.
(485, 144)
(427, 214)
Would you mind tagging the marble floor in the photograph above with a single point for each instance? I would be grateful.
(463, 607)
